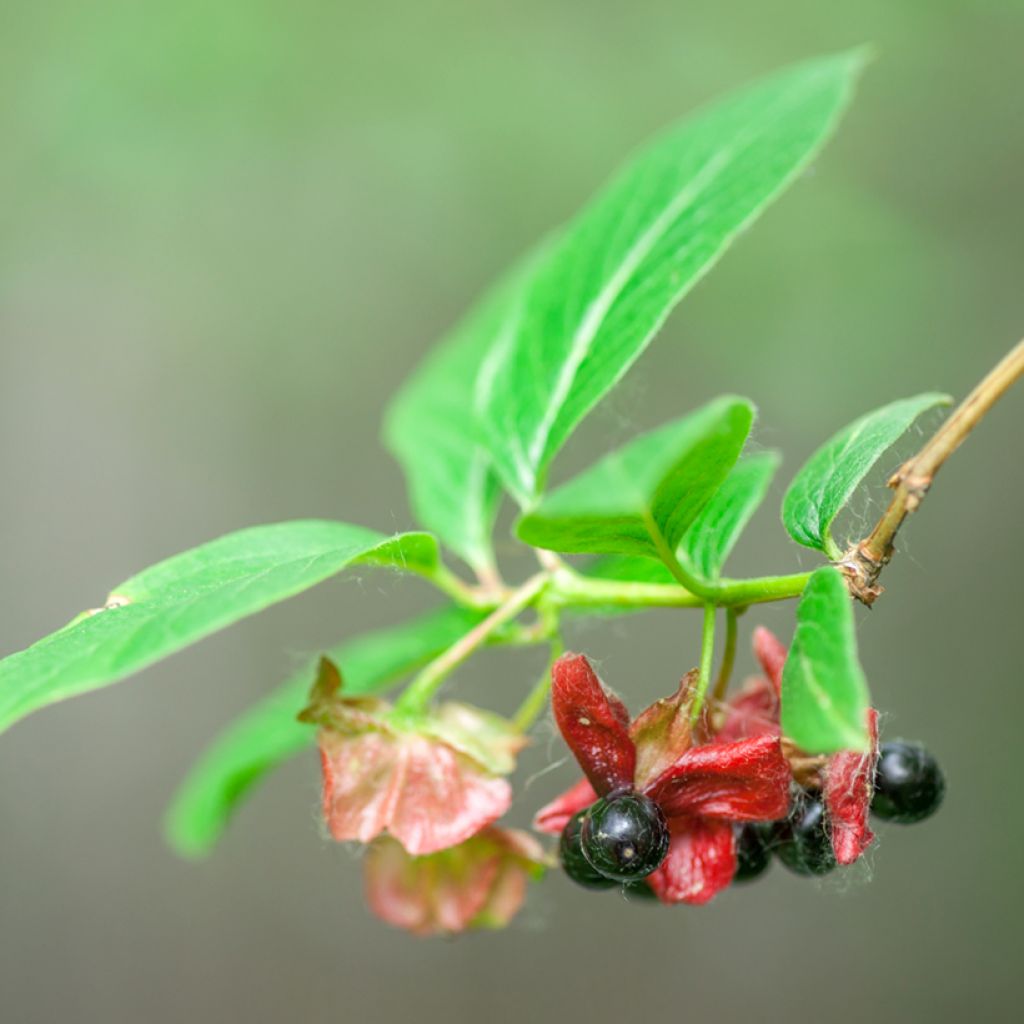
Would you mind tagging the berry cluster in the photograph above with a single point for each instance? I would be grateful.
(908, 787)
(624, 838)
(680, 803)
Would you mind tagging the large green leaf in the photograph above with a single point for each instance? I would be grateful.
(826, 481)
(640, 499)
(431, 427)
(824, 692)
(607, 285)
(711, 537)
(269, 733)
(179, 601)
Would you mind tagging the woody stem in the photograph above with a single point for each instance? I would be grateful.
(863, 562)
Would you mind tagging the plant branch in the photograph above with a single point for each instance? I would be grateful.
(569, 589)
(863, 562)
(425, 685)
(482, 596)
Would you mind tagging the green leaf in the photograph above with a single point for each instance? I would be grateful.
(629, 569)
(826, 481)
(610, 281)
(641, 498)
(712, 535)
(269, 733)
(432, 429)
(181, 600)
(824, 692)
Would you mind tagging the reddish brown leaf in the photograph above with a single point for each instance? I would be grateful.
(661, 733)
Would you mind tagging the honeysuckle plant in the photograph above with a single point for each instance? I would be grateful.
(706, 786)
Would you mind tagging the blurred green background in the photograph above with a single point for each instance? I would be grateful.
(230, 228)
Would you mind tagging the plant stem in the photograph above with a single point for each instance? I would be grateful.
(707, 657)
(537, 699)
(728, 655)
(464, 593)
(863, 562)
(692, 583)
(571, 590)
(419, 692)
(760, 590)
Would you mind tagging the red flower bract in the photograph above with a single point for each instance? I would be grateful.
(847, 788)
(431, 784)
(702, 789)
(425, 794)
(480, 883)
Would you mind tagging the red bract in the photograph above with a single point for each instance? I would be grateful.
(847, 786)
(702, 789)
(845, 778)
(480, 883)
(431, 785)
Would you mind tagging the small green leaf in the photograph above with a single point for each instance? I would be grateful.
(831, 475)
(610, 281)
(711, 536)
(824, 692)
(269, 733)
(181, 600)
(432, 430)
(642, 498)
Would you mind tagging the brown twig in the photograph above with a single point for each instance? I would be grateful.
(863, 562)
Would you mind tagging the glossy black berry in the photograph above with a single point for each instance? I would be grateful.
(752, 852)
(908, 783)
(625, 837)
(802, 842)
(576, 866)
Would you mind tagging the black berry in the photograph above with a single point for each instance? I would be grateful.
(625, 837)
(802, 842)
(908, 783)
(752, 853)
(576, 866)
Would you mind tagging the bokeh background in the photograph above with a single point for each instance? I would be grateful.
(230, 227)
